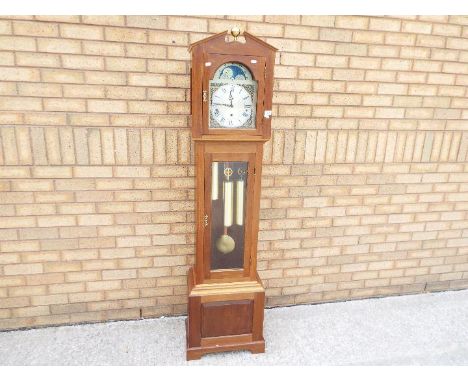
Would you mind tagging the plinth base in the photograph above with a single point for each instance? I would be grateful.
(224, 317)
(197, 352)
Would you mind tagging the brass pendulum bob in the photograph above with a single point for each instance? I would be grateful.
(225, 243)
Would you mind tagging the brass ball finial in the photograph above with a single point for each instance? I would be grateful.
(235, 32)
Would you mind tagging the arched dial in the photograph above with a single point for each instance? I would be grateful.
(231, 106)
(233, 97)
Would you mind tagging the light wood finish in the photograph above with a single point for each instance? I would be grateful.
(206, 152)
(225, 309)
(226, 318)
(258, 70)
(223, 288)
(201, 294)
(215, 138)
(231, 296)
(229, 340)
(227, 288)
(216, 45)
(225, 153)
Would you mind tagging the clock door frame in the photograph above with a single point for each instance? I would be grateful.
(207, 152)
(258, 70)
(228, 272)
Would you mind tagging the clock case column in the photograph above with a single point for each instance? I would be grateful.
(225, 306)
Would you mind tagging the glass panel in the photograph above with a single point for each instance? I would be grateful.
(228, 198)
(233, 96)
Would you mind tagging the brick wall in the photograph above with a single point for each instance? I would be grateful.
(365, 184)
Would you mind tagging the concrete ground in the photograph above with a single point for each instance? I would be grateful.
(428, 329)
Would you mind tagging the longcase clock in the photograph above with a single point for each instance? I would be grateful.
(232, 85)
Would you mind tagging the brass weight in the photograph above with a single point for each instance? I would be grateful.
(225, 243)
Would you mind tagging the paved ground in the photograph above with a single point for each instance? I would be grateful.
(429, 329)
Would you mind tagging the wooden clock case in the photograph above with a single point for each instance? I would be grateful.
(225, 306)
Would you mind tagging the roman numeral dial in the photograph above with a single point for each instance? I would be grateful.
(231, 106)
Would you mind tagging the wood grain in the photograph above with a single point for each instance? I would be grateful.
(225, 308)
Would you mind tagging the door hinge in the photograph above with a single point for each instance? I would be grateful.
(205, 220)
(205, 95)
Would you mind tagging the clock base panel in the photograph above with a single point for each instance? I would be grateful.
(194, 353)
(224, 317)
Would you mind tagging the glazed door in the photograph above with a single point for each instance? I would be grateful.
(247, 75)
(229, 186)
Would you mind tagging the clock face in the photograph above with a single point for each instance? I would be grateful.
(231, 106)
(233, 94)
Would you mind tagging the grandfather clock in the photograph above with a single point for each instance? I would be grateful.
(232, 85)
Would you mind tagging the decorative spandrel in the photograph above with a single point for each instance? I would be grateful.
(228, 197)
(233, 95)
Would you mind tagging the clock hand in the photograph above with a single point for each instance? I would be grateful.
(221, 104)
